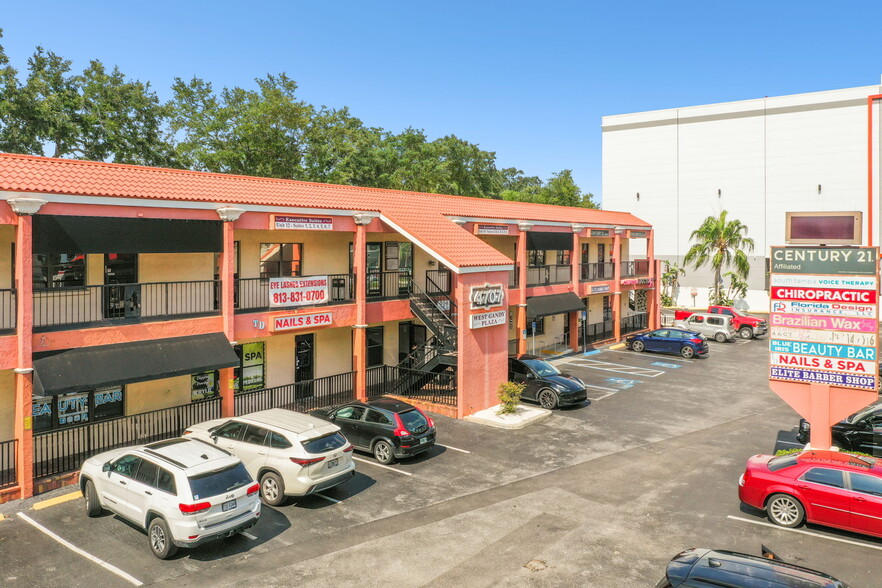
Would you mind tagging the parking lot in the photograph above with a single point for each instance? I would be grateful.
(600, 495)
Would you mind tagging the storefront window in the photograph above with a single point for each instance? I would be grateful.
(250, 375)
(59, 270)
(540, 327)
(204, 386)
(374, 346)
(67, 410)
(279, 260)
(535, 257)
(563, 257)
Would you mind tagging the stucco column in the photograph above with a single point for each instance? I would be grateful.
(573, 318)
(25, 208)
(576, 258)
(227, 270)
(359, 335)
(617, 280)
(521, 262)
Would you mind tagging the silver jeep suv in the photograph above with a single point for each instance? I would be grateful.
(183, 492)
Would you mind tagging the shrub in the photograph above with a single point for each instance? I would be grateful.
(509, 395)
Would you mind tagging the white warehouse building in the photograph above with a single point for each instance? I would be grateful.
(758, 159)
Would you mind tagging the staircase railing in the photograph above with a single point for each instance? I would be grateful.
(439, 314)
(441, 300)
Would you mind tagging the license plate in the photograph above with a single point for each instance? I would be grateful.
(423, 440)
(333, 463)
(229, 505)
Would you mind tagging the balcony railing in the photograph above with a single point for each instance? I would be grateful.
(438, 280)
(595, 272)
(253, 294)
(300, 396)
(388, 285)
(635, 322)
(639, 267)
(105, 304)
(8, 473)
(439, 388)
(7, 311)
(546, 275)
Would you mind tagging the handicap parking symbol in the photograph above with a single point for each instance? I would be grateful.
(622, 382)
(673, 366)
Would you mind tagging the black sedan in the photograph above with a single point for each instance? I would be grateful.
(544, 383)
(862, 431)
(388, 428)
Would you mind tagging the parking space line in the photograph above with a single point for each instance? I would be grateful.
(57, 500)
(453, 448)
(334, 500)
(109, 567)
(838, 539)
(620, 368)
(379, 465)
(652, 356)
(611, 390)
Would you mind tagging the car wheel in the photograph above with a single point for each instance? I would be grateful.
(785, 510)
(638, 346)
(272, 489)
(746, 333)
(547, 399)
(93, 507)
(687, 352)
(383, 452)
(160, 539)
(720, 337)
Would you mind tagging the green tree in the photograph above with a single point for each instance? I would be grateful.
(722, 243)
(670, 280)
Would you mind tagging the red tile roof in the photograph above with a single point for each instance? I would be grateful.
(422, 215)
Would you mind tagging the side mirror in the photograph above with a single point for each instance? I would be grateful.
(531, 376)
(213, 436)
(332, 416)
(106, 467)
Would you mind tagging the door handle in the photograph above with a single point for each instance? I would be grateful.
(802, 487)
(148, 492)
(859, 499)
(261, 453)
(123, 482)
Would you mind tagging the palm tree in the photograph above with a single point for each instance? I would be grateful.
(670, 280)
(722, 243)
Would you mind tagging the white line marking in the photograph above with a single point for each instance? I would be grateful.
(604, 396)
(111, 568)
(453, 448)
(764, 524)
(379, 465)
(334, 500)
(619, 368)
(652, 356)
(248, 536)
(612, 390)
(792, 443)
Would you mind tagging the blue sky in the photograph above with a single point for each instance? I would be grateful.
(528, 80)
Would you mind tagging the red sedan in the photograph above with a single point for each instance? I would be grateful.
(824, 487)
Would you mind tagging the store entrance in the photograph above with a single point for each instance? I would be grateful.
(122, 296)
(304, 357)
(411, 338)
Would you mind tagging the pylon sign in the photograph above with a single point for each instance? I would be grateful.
(824, 318)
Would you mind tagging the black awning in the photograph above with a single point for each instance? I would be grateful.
(87, 234)
(539, 306)
(87, 368)
(549, 241)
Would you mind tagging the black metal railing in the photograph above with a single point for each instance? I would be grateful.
(253, 294)
(546, 275)
(638, 267)
(635, 322)
(300, 396)
(388, 285)
(137, 302)
(439, 388)
(596, 332)
(441, 300)
(64, 450)
(595, 271)
(8, 472)
(438, 280)
(7, 311)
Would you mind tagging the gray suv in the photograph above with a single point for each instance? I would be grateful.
(713, 326)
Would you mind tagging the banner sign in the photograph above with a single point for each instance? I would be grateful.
(489, 319)
(825, 308)
(482, 229)
(302, 321)
(600, 289)
(600, 232)
(298, 291)
(824, 316)
(637, 234)
(303, 223)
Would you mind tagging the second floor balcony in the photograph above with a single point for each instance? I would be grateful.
(596, 271)
(632, 269)
(547, 275)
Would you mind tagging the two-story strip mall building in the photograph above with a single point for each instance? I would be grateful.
(136, 301)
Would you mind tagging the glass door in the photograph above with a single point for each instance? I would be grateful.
(122, 293)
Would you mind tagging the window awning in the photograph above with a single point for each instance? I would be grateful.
(539, 306)
(549, 241)
(88, 368)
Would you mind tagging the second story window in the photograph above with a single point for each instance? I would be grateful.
(535, 257)
(563, 257)
(59, 270)
(279, 260)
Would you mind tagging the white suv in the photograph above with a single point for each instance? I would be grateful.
(290, 453)
(183, 492)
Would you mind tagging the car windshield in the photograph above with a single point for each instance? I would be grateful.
(542, 368)
(325, 443)
(219, 481)
(413, 420)
(865, 413)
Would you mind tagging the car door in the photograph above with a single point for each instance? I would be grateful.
(866, 503)
(660, 340)
(377, 424)
(142, 490)
(253, 448)
(115, 487)
(349, 419)
(823, 489)
(521, 374)
(696, 323)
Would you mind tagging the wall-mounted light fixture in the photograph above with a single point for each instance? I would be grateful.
(719, 193)
(819, 188)
(432, 263)
(638, 196)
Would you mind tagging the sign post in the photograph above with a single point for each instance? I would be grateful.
(824, 325)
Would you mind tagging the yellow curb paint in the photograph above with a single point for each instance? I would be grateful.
(618, 346)
(57, 500)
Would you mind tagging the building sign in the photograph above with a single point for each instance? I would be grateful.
(600, 232)
(303, 223)
(824, 316)
(487, 296)
(637, 282)
(302, 321)
(489, 319)
(203, 386)
(600, 289)
(73, 408)
(637, 234)
(482, 229)
(298, 291)
(251, 374)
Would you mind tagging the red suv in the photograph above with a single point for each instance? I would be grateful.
(824, 487)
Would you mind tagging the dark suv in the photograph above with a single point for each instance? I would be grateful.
(386, 427)
(861, 431)
(696, 568)
(544, 383)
